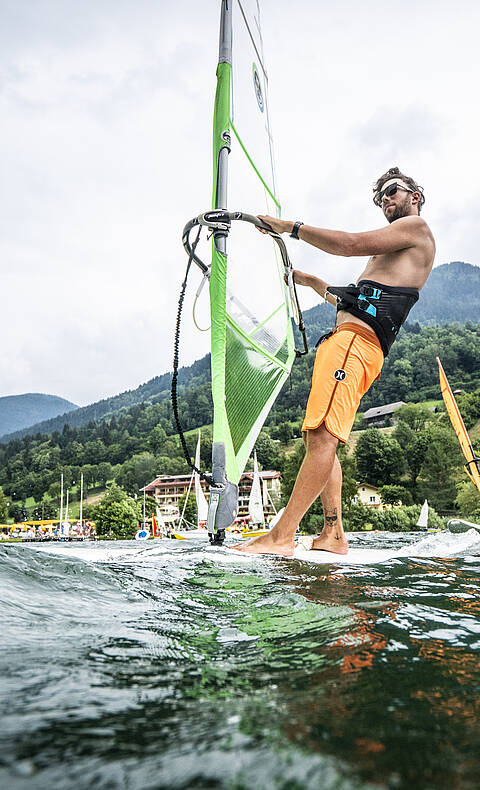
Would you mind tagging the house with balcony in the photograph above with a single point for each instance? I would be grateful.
(167, 490)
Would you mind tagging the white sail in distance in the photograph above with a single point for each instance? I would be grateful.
(423, 517)
(202, 506)
(255, 503)
(161, 522)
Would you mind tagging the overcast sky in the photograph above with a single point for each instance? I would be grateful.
(105, 141)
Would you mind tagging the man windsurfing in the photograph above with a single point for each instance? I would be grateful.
(370, 313)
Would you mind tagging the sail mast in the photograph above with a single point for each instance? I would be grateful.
(61, 506)
(81, 501)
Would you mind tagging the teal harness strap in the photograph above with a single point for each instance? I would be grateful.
(383, 307)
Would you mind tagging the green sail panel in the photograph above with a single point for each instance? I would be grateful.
(252, 382)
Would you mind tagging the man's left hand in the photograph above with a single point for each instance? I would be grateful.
(278, 225)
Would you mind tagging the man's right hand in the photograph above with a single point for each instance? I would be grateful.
(302, 278)
(318, 285)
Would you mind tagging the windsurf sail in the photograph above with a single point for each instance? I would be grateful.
(472, 465)
(252, 294)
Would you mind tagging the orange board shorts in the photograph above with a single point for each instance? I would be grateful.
(346, 365)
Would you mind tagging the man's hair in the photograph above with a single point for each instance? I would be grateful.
(394, 172)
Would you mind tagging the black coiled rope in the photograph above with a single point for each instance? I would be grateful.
(208, 479)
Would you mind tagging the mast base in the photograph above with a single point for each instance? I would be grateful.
(217, 538)
(223, 501)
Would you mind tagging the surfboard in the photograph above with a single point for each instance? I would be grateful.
(444, 544)
(354, 556)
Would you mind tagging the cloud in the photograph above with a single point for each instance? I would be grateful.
(106, 150)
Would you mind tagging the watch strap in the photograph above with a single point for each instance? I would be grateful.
(295, 229)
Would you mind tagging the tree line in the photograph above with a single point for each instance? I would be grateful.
(134, 446)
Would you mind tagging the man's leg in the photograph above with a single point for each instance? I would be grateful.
(332, 536)
(314, 474)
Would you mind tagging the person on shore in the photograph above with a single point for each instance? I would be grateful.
(370, 313)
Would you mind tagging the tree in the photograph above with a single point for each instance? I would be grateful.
(416, 416)
(104, 473)
(436, 480)
(349, 475)
(117, 515)
(3, 506)
(291, 468)
(18, 512)
(44, 510)
(469, 405)
(190, 513)
(157, 438)
(468, 501)
(137, 472)
(360, 516)
(284, 432)
(267, 452)
(395, 495)
(380, 459)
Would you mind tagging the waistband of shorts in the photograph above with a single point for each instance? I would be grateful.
(359, 329)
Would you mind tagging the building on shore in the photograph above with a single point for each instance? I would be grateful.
(381, 416)
(368, 495)
(167, 490)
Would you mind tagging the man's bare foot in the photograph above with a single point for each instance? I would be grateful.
(333, 541)
(267, 544)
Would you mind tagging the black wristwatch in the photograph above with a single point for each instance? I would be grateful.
(295, 229)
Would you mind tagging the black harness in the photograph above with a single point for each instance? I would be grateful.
(383, 307)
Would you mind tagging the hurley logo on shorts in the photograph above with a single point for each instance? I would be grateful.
(340, 375)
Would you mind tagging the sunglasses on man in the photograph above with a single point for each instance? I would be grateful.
(389, 192)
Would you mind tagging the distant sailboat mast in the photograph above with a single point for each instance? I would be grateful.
(185, 503)
(61, 505)
(161, 521)
(202, 506)
(81, 500)
(255, 503)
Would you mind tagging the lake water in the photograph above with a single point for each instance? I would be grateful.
(172, 664)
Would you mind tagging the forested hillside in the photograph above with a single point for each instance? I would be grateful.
(452, 293)
(134, 446)
(21, 411)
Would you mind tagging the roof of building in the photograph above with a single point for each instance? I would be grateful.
(382, 411)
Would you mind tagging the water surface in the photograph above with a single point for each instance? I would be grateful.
(171, 664)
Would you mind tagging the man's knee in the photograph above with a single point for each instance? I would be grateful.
(320, 437)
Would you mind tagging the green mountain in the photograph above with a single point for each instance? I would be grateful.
(153, 391)
(21, 411)
(452, 294)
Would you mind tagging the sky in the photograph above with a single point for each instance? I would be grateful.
(106, 110)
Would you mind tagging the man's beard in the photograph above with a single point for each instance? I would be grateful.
(402, 210)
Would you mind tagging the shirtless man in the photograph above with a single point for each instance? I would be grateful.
(369, 316)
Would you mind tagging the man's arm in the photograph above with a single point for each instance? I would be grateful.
(400, 235)
(318, 285)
